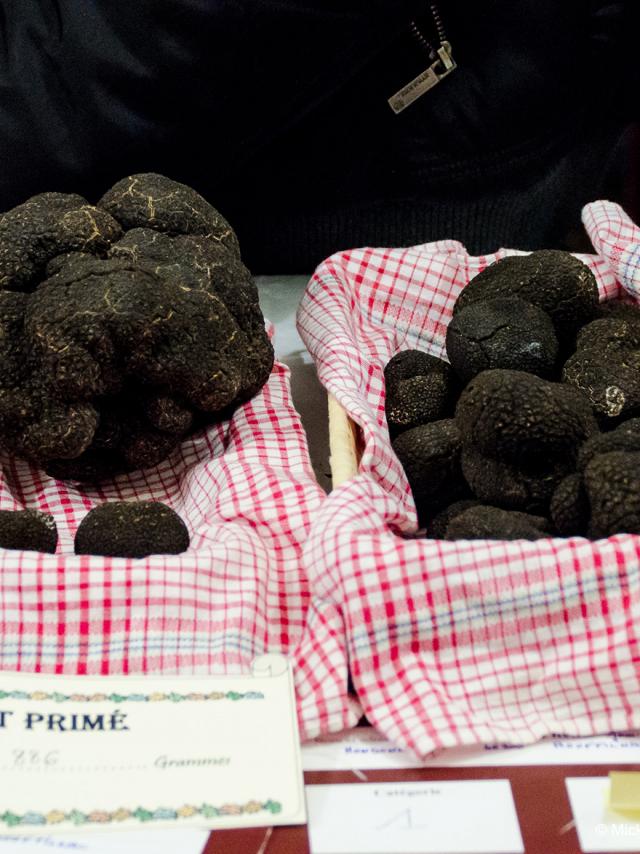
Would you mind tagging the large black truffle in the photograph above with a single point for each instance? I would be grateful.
(131, 529)
(504, 332)
(114, 345)
(492, 523)
(554, 281)
(430, 456)
(30, 530)
(522, 419)
(419, 389)
(606, 367)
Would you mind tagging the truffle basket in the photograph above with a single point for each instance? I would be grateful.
(246, 490)
(465, 642)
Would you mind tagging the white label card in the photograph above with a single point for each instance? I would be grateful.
(600, 829)
(109, 753)
(364, 747)
(467, 817)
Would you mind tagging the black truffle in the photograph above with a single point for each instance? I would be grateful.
(522, 419)
(612, 483)
(625, 437)
(492, 523)
(437, 527)
(554, 281)
(504, 332)
(430, 456)
(30, 530)
(131, 529)
(113, 346)
(606, 367)
(419, 389)
(570, 509)
(528, 487)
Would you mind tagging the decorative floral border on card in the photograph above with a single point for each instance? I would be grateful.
(78, 818)
(129, 698)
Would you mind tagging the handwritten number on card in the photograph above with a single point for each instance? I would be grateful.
(403, 820)
(23, 759)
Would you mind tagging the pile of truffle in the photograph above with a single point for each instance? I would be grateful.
(123, 326)
(529, 431)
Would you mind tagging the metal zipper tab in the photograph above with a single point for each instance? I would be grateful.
(431, 76)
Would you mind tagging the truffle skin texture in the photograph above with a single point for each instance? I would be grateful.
(47, 225)
(419, 389)
(437, 527)
(612, 482)
(122, 343)
(29, 530)
(570, 509)
(131, 529)
(606, 367)
(492, 523)
(550, 279)
(149, 200)
(625, 437)
(522, 419)
(430, 456)
(504, 332)
(501, 483)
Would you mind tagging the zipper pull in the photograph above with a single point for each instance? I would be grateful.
(436, 72)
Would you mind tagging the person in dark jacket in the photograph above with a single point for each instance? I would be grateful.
(314, 127)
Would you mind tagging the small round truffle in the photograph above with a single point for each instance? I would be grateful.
(625, 437)
(504, 332)
(522, 419)
(612, 483)
(606, 367)
(131, 529)
(430, 456)
(419, 389)
(555, 281)
(570, 509)
(498, 482)
(437, 527)
(29, 530)
(492, 523)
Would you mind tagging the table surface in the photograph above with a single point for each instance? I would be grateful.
(539, 792)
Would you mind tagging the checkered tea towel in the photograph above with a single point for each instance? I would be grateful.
(246, 491)
(454, 643)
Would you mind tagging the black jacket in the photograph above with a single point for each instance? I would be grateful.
(276, 111)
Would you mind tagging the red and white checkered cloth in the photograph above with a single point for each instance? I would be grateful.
(247, 493)
(454, 643)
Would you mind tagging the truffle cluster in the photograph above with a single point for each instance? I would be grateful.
(541, 440)
(123, 325)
